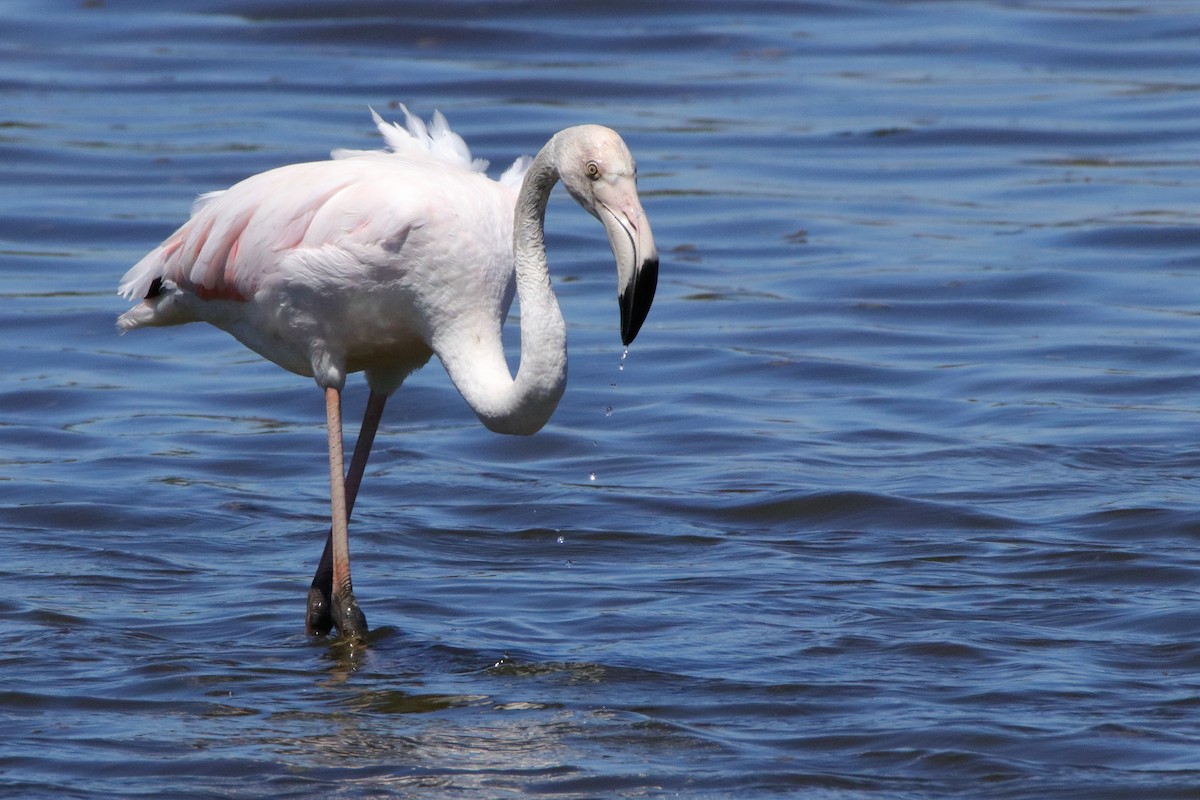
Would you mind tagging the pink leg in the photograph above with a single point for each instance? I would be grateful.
(362, 448)
(320, 615)
(350, 621)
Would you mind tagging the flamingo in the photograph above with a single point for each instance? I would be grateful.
(374, 261)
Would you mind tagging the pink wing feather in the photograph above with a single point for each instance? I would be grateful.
(237, 237)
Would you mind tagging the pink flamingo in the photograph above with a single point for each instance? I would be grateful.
(374, 261)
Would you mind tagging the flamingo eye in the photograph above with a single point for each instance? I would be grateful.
(593, 170)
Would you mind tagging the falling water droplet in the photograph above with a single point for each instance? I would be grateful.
(560, 540)
(608, 411)
(591, 476)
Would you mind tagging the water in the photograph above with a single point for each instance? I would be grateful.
(894, 496)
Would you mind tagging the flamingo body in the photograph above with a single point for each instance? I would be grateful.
(340, 266)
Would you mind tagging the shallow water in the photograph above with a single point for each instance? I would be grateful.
(894, 496)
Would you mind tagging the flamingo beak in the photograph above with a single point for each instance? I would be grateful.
(637, 295)
(634, 249)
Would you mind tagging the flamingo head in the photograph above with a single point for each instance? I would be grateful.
(599, 172)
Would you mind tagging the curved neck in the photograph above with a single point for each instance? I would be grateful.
(478, 369)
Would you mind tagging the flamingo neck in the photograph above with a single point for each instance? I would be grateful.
(524, 404)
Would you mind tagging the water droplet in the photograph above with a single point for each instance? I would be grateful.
(591, 476)
(608, 411)
(560, 540)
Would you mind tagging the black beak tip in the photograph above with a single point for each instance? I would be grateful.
(636, 299)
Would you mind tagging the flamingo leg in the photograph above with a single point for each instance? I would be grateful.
(347, 616)
(319, 618)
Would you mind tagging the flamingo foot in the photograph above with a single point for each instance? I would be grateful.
(318, 621)
(350, 620)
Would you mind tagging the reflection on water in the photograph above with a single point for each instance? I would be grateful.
(894, 495)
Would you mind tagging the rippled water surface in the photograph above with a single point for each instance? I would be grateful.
(894, 496)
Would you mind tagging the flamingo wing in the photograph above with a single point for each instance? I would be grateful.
(237, 237)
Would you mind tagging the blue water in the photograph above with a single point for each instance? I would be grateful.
(894, 496)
